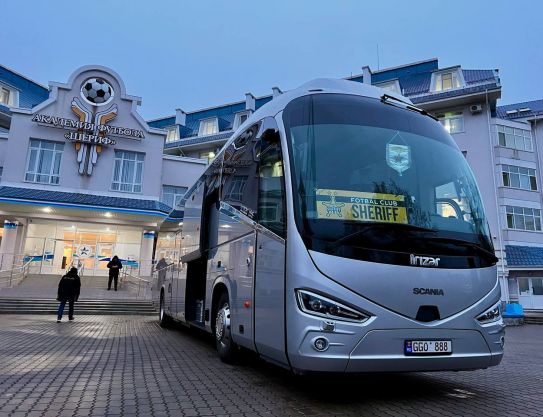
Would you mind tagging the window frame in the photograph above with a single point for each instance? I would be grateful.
(203, 124)
(512, 213)
(34, 172)
(508, 171)
(239, 115)
(456, 80)
(391, 86)
(174, 194)
(448, 117)
(170, 130)
(525, 135)
(133, 184)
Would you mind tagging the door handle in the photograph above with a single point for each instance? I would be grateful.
(248, 261)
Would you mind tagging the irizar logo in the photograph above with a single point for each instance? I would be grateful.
(428, 291)
(423, 260)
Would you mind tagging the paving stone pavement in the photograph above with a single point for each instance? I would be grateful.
(128, 366)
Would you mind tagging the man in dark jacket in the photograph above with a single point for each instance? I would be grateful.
(114, 266)
(68, 290)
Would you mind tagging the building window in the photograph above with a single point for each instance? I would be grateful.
(523, 218)
(209, 127)
(237, 185)
(519, 177)
(172, 195)
(446, 81)
(43, 163)
(515, 138)
(173, 134)
(452, 121)
(240, 119)
(209, 155)
(391, 86)
(4, 96)
(128, 171)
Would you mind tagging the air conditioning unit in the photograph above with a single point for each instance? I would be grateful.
(476, 108)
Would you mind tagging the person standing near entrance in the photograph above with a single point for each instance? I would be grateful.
(68, 291)
(114, 266)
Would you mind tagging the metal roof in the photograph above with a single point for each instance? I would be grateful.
(531, 109)
(524, 256)
(60, 198)
(30, 92)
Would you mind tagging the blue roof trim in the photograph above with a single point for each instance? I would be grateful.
(405, 71)
(18, 195)
(162, 123)
(535, 106)
(524, 256)
(455, 93)
(30, 93)
(200, 139)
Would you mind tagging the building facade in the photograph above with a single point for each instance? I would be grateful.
(83, 176)
(500, 143)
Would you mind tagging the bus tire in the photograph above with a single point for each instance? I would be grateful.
(164, 320)
(226, 347)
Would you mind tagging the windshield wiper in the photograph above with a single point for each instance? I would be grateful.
(489, 255)
(387, 99)
(373, 226)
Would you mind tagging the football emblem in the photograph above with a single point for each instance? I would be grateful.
(97, 91)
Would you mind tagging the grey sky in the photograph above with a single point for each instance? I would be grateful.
(203, 53)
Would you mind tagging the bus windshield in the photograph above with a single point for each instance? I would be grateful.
(371, 179)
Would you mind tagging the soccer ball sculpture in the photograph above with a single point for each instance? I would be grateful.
(97, 91)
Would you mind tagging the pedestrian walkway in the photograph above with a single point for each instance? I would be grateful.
(130, 366)
(45, 287)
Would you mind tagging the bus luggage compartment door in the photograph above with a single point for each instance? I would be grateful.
(270, 298)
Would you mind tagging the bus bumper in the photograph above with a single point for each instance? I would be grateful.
(383, 351)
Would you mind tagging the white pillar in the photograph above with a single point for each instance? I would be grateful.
(8, 245)
(146, 253)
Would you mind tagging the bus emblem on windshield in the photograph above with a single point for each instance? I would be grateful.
(398, 155)
(333, 208)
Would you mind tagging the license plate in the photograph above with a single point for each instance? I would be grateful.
(428, 347)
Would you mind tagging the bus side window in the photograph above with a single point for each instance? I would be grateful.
(210, 213)
(271, 191)
(239, 173)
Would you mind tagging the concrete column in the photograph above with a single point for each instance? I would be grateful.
(9, 244)
(146, 253)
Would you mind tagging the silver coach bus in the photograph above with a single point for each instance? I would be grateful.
(340, 229)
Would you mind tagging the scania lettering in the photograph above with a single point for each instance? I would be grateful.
(428, 291)
(340, 229)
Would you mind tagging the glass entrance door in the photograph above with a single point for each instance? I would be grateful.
(57, 256)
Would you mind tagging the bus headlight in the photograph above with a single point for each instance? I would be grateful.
(494, 313)
(317, 305)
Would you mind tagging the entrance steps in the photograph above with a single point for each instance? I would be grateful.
(41, 286)
(533, 316)
(100, 307)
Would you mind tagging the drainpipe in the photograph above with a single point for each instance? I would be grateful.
(504, 285)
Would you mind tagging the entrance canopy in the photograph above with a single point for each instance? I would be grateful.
(27, 202)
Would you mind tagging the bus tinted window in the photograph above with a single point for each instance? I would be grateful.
(240, 173)
(271, 192)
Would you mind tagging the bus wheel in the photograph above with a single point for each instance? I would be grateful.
(163, 319)
(223, 337)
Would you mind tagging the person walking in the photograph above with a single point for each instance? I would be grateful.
(114, 266)
(68, 291)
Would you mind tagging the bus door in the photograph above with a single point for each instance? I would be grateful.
(234, 261)
(270, 253)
